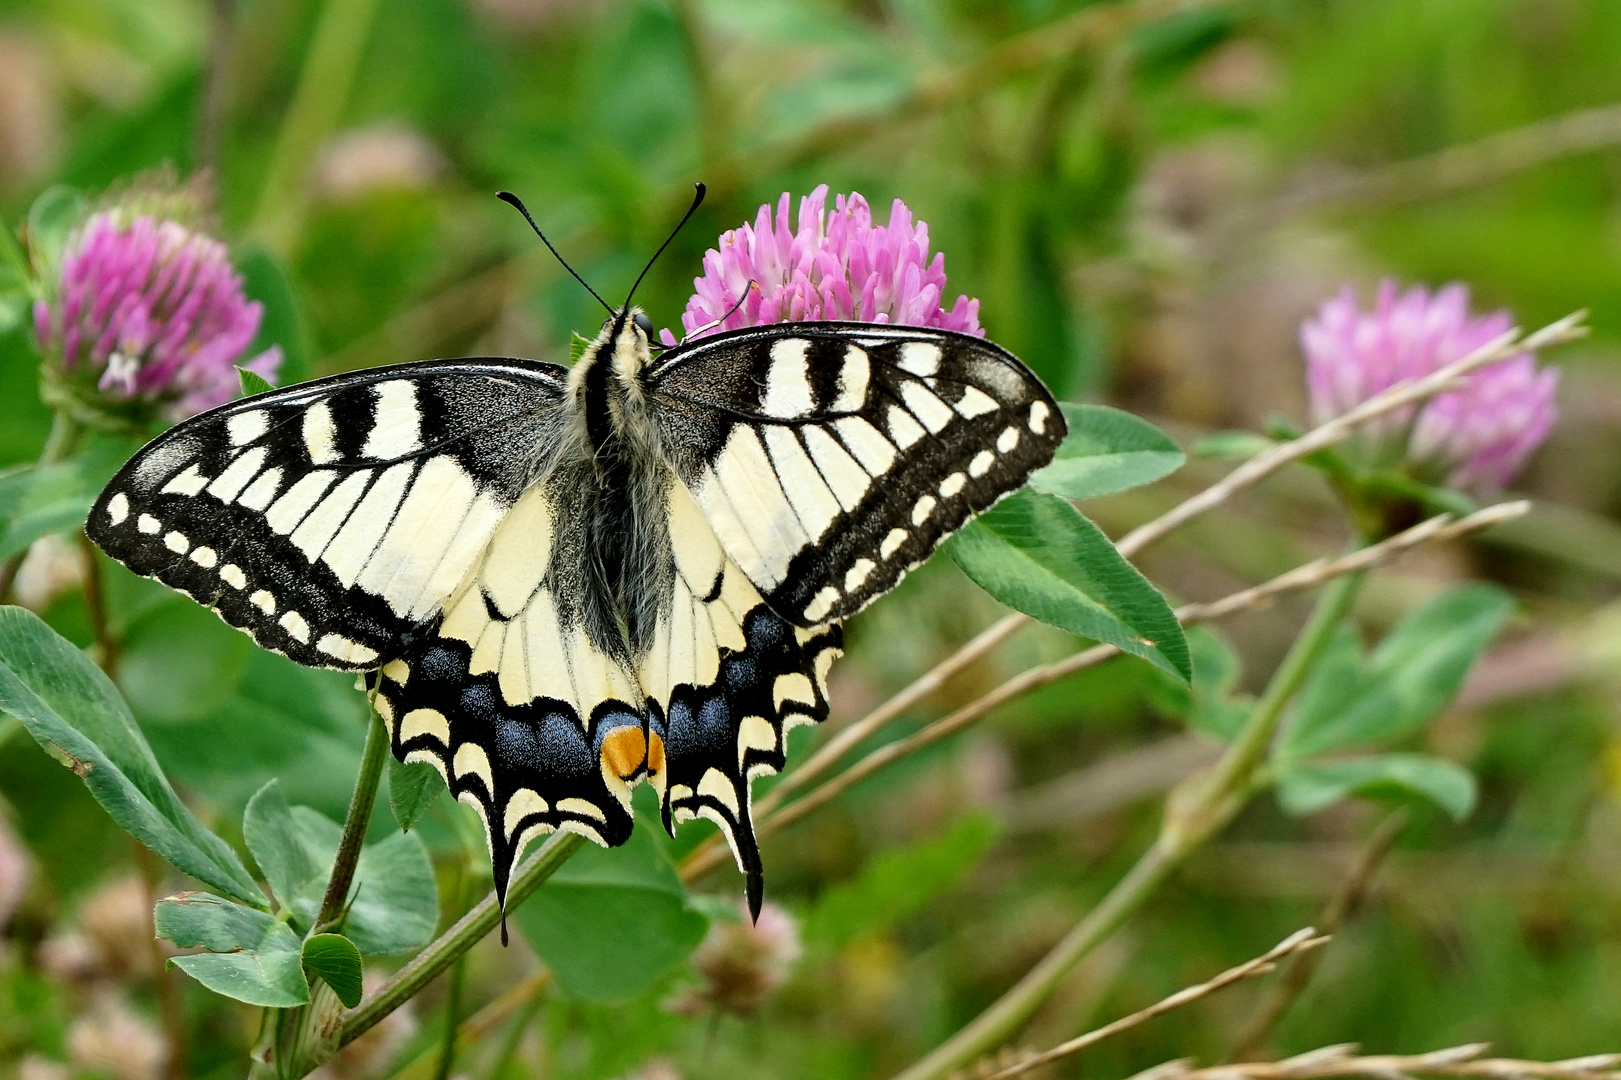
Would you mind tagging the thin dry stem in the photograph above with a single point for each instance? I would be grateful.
(1325, 435)
(1342, 905)
(1454, 1061)
(705, 858)
(1301, 941)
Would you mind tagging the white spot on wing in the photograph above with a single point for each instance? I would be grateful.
(233, 576)
(755, 733)
(981, 464)
(263, 601)
(975, 402)
(189, 482)
(118, 508)
(857, 575)
(148, 524)
(472, 760)
(922, 509)
(296, 626)
(244, 427)
(523, 803)
(921, 358)
(875, 453)
(934, 413)
(892, 542)
(821, 604)
(1006, 441)
(952, 484)
(397, 424)
(229, 484)
(262, 490)
(204, 557)
(342, 648)
(1038, 417)
(903, 427)
(854, 374)
(715, 785)
(320, 436)
(176, 542)
(286, 512)
(787, 388)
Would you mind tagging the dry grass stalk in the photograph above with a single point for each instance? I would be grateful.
(1343, 1061)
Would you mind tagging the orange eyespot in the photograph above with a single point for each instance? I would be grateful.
(624, 751)
(655, 755)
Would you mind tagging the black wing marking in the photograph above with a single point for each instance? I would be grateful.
(331, 519)
(725, 681)
(830, 458)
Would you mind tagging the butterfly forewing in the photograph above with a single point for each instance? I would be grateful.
(331, 520)
(830, 458)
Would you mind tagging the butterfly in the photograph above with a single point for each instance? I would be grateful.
(562, 582)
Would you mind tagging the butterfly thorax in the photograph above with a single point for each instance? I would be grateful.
(611, 570)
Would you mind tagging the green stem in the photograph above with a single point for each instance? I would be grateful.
(1192, 816)
(467, 932)
(354, 825)
(318, 103)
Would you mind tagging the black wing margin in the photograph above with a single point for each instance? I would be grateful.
(331, 519)
(831, 458)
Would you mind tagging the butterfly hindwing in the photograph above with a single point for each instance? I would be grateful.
(726, 680)
(830, 458)
(330, 519)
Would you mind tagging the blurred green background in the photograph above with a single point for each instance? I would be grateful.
(1147, 198)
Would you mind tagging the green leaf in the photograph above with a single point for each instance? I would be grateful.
(265, 279)
(1107, 450)
(277, 846)
(253, 382)
(395, 904)
(897, 883)
(336, 960)
(1037, 554)
(51, 220)
(1307, 787)
(252, 957)
(1413, 674)
(411, 790)
(611, 923)
(1230, 445)
(76, 713)
(36, 500)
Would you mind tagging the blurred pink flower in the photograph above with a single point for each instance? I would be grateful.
(838, 266)
(742, 963)
(1475, 438)
(154, 311)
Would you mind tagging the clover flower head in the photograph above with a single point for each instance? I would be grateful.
(149, 311)
(836, 265)
(742, 963)
(1475, 438)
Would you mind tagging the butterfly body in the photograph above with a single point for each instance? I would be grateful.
(563, 582)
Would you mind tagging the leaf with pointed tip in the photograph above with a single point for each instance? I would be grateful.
(411, 790)
(1309, 786)
(252, 957)
(1039, 555)
(1107, 450)
(73, 710)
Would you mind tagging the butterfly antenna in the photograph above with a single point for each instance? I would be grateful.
(509, 197)
(697, 201)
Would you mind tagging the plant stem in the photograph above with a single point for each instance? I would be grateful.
(1193, 814)
(318, 103)
(354, 825)
(467, 932)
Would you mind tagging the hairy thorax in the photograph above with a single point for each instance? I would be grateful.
(611, 565)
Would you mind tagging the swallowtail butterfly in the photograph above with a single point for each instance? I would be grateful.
(563, 582)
